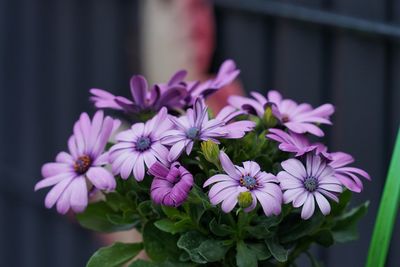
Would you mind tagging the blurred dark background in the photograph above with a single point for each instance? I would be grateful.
(346, 52)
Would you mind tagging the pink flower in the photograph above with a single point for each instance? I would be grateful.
(304, 185)
(299, 118)
(226, 188)
(81, 169)
(170, 186)
(140, 145)
(196, 125)
(348, 176)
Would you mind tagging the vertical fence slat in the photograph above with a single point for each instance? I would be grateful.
(255, 34)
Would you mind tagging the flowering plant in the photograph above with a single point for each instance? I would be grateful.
(246, 187)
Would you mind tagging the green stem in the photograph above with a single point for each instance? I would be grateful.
(387, 212)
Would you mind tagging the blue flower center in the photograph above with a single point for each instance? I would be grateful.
(143, 143)
(248, 181)
(192, 132)
(82, 164)
(311, 184)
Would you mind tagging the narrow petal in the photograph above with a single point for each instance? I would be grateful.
(55, 193)
(79, 194)
(176, 150)
(228, 166)
(308, 208)
(138, 169)
(323, 204)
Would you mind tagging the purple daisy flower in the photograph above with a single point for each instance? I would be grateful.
(195, 125)
(291, 142)
(140, 145)
(80, 170)
(144, 99)
(170, 186)
(348, 176)
(263, 187)
(304, 185)
(299, 118)
(226, 74)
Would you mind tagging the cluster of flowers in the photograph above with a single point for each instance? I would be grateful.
(310, 174)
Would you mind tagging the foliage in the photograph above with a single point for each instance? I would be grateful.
(200, 234)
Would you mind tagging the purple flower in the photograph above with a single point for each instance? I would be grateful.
(103, 99)
(263, 187)
(226, 74)
(348, 176)
(195, 125)
(170, 186)
(81, 169)
(299, 118)
(291, 142)
(140, 145)
(305, 185)
(144, 99)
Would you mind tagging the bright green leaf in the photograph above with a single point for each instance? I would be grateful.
(115, 255)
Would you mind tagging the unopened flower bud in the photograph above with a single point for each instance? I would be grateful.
(269, 119)
(210, 151)
(245, 199)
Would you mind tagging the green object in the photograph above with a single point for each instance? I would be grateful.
(115, 255)
(387, 212)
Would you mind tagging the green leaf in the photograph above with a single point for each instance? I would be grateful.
(143, 263)
(159, 245)
(114, 255)
(95, 217)
(324, 237)
(344, 200)
(346, 225)
(277, 250)
(168, 226)
(387, 212)
(245, 257)
(263, 227)
(301, 228)
(190, 242)
(212, 250)
(219, 229)
(261, 250)
(172, 213)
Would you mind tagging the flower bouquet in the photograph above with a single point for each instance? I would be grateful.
(245, 187)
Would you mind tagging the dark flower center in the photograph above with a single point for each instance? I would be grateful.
(311, 184)
(143, 143)
(82, 164)
(192, 132)
(248, 181)
(285, 118)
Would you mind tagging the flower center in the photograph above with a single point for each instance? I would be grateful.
(192, 132)
(143, 143)
(285, 118)
(248, 181)
(311, 184)
(82, 164)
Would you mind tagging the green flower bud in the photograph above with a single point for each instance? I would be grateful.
(210, 151)
(269, 119)
(245, 199)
